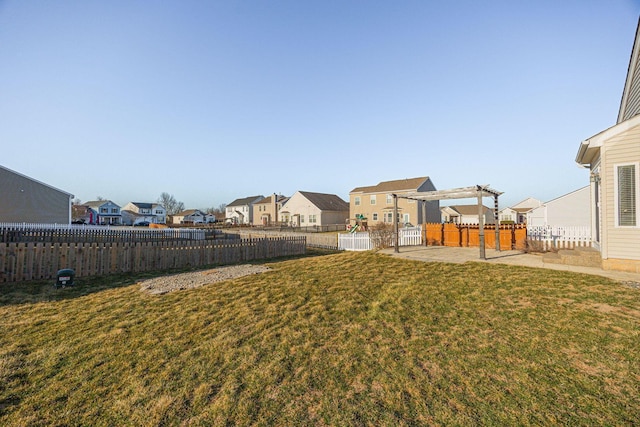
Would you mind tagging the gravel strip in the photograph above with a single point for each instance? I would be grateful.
(164, 284)
(634, 285)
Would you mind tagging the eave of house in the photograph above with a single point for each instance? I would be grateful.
(589, 149)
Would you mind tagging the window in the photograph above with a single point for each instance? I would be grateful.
(626, 186)
(373, 199)
(357, 201)
(312, 219)
(389, 199)
(375, 216)
(104, 210)
(388, 217)
(114, 210)
(301, 219)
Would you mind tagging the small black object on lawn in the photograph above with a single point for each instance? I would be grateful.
(65, 278)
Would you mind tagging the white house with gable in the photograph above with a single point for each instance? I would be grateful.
(240, 211)
(570, 210)
(517, 214)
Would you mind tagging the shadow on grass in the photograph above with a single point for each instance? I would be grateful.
(45, 291)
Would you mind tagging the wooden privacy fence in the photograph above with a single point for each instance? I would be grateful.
(513, 236)
(316, 240)
(38, 261)
(89, 234)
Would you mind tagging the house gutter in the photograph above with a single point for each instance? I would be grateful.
(582, 151)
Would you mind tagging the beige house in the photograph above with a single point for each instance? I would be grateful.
(307, 209)
(190, 216)
(374, 204)
(517, 214)
(613, 158)
(24, 199)
(267, 211)
(466, 214)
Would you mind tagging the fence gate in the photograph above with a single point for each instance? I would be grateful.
(361, 241)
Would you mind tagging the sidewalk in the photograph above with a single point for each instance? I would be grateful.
(511, 257)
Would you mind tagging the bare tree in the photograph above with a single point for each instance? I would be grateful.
(170, 203)
(219, 210)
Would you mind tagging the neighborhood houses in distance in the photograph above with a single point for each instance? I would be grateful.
(602, 215)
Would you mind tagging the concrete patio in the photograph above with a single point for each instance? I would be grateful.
(511, 257)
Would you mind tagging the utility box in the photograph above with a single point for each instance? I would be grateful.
(65, 278)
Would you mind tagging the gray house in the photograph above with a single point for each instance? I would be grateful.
(24, 199)
(103, 212)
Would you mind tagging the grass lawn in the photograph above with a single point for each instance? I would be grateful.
(342, 339)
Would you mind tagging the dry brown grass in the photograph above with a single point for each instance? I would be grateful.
(346, 339)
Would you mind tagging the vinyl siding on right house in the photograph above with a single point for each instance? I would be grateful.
(621, 242)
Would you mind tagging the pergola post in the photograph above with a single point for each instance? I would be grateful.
(424, 220)
(396, 247)
(481, 224)
(477, 191)
(497, 221)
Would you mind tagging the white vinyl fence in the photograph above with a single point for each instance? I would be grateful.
(361, 241)
(557, 237)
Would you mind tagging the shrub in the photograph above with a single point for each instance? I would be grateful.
(382, 235)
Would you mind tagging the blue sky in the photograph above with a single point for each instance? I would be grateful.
(216, 100)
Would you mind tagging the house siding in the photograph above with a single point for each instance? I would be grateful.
(619, 242)
(630, 104)
(411, 207)
(26, 200)
(298, 204)
(633, 101)
(570, 210)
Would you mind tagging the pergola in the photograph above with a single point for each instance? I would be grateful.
(476, 191)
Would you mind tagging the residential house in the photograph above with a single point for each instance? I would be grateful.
(374, 204)
(190, 216)
(306, 209)
(569, 210)
(240, 211)
(103, 212)
(613, 159)
(24, 199)
(80, 214)
(137, 212)
(466, 214)
(267, 211)
(517, 214)
(210, 218)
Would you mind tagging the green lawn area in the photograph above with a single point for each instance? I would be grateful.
(340, 339)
